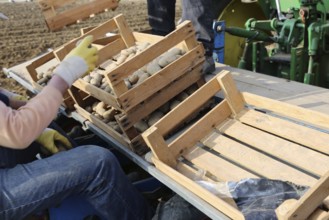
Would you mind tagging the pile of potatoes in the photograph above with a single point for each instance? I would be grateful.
(105, 113)
(155, 116)
(97, 78)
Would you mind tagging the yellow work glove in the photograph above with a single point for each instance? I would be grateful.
(19, 98)
(52, 141)
(78, 62)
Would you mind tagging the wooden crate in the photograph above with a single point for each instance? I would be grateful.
(59, 13)
(45, 63)
(127, 99)
(140, 101)
(245, 136)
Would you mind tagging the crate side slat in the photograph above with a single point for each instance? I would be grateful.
(125, 31)
(278, 147)
(201, 192)
(194, 174)
(31, 68)
(201, 128)
(303, 114)
(231, 92)
(150, 38)
(116, 76)
(71, 16)
(297, 133)
(222, 169)
(159, 147)
(161, 79)
(97, 32)
(190, 105)
(97, 93)
(110, 50)
(141, 111)
(256, 161)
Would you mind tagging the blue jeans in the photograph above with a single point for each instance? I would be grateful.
(161, 15)
(89, 171)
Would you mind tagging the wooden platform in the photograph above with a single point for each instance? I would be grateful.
(245, 136)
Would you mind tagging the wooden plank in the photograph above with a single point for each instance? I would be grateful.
(310, 200)
(253, 160)
(106, 40)
(97, 93)
(161, 79)
(231, 93)
(159, 147)
(31, 68)
(306, 115)
(222, 169)
(199, 191)
(201, 128)
(193, 174)
(110, 50)
(150, 38)
(97, 32)
(141, 111)
(289, 152)
(182, 32)
(71, 16)
(125, 31)
(186, 108)
(297, 133)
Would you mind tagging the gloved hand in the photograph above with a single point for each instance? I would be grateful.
(53, 142)
(79, 61)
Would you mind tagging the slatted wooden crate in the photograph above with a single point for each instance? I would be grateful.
(140, 101)
(42, 64)
(60, 13)
(245, 136)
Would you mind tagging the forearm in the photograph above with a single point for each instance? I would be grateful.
(58, 83)
(21, 127)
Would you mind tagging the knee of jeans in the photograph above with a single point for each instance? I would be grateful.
(100, 154)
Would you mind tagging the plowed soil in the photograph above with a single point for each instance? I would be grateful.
(25, 34)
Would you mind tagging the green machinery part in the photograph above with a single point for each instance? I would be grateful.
(283, 38)
(236, 14)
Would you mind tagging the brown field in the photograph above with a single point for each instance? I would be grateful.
(25, 35)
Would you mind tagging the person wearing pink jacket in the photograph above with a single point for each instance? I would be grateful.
(91, 172)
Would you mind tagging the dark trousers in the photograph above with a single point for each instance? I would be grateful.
(162, 18)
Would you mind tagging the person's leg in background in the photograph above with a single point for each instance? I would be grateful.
(202, 16)
(161, 15)
(89, 171)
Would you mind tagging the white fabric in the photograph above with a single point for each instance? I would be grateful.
(71, 68)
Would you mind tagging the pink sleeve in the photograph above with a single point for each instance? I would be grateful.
(19, 128)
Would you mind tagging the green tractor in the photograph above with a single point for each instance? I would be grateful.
(283, 38)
